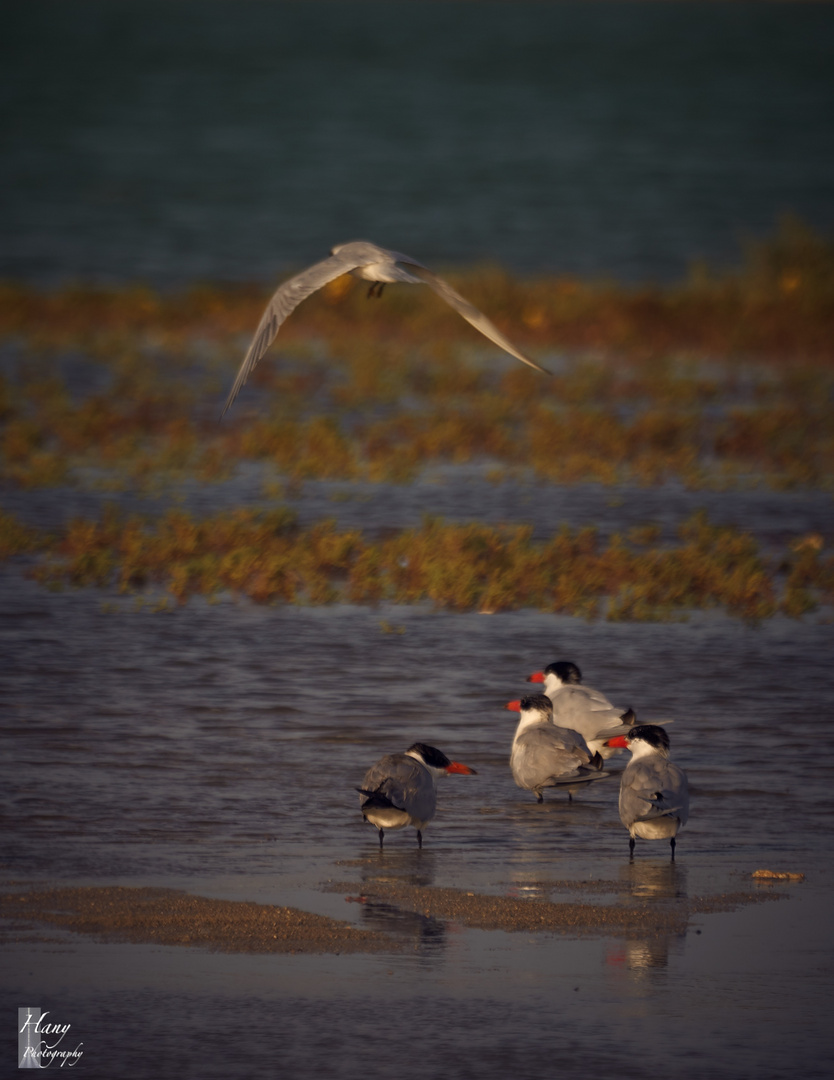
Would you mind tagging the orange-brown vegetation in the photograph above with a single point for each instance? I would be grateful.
(716, 381)
(720, 381)
(268, 558)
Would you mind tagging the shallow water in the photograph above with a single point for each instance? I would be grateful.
(216, 748)
(222, 736)
(479, 1004)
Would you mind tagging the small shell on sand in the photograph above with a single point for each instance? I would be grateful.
(777, 875)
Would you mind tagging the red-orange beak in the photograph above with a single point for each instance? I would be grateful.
(537, 676)
(618, 741)
(514, 706)
(459, 767)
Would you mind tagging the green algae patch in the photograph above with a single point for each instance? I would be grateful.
(17, 538)
(712, 382)
(268, 558)
(776, 303)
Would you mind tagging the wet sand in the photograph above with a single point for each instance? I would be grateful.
(480, 911)
(171, 917)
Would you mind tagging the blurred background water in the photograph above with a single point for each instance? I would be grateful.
(207, 139)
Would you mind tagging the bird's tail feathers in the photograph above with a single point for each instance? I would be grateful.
(658, 809)
(583, 775)
(376, 800)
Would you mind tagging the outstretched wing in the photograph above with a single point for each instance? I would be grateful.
(285, 300)
(470, 313)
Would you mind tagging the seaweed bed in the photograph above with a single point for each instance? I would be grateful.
(719, 382)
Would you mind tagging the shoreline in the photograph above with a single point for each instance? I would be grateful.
(144, 915)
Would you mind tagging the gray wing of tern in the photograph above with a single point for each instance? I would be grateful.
(406, 783)
(373, 264)
(472, 315)
(284, 301)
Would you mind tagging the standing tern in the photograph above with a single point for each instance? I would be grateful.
(400, 789)
(654, 792)
(580, 707)
(370, 263)
(544, 755)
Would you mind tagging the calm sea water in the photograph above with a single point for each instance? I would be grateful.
(216, 748)
(232, 139)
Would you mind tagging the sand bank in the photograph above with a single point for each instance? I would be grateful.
(490, 912)
(170, 917)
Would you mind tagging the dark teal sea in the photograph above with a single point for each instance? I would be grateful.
(174, 140)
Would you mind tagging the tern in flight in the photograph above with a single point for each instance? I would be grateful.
(370, 263)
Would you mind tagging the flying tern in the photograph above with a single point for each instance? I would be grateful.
(400, 789)
(370, 263)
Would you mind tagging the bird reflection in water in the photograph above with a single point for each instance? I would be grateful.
(654, 879)
(639, 956)
(412, 868)
(649, 880)
(428, 935)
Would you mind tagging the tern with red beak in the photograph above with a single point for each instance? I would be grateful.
(400, 789)
(544, 755)
(654, 792)
(581, 708)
